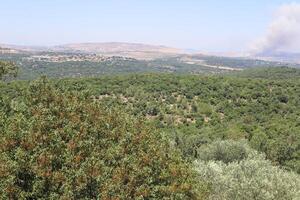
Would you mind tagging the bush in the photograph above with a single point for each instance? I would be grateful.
(8, 69)
(58, 145)
(251, 177)
(226, 151)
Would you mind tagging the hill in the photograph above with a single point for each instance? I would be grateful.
(171, 136)
(198, 109)
(156, 136)
(270, 73)
(134, 50)
(72, 64)
(150, 52)
(280, 56)
(115, 47)
(4, 50)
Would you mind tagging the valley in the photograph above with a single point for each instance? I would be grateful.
(212, 115)
(150, 100)
(90, 59)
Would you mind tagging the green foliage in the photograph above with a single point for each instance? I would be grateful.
(270, 73)
(201, 109)
(60, 145)
(7, 69)
(245, 177)
(226, 151)
(33, 65)
(95, 120)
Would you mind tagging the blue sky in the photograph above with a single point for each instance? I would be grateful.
(208, 25)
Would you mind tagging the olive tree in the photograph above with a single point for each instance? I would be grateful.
(235, 172)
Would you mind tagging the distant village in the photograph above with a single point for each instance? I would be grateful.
(59, 58)
(7, 50)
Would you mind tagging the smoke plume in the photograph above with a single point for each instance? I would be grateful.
(283, 34)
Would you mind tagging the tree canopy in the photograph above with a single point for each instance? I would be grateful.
(59, 145)
(7, 69)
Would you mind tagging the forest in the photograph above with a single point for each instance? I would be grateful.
(151, 136)
(33, 65)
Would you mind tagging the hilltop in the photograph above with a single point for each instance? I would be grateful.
(4, 50)
(134, 50)
(149, 52)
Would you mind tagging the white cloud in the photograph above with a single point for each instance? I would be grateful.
(283, 34)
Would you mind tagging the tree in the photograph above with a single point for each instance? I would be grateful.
(61, 145)
(235, 171)
(8, 69)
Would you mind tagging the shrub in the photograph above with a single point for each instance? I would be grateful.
(8, 69)
(59, 145)
(252, 177)
(226, 151)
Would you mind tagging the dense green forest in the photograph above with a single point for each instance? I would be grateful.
(200, 109)
(270, 73)
(151, 136)
(34, 65)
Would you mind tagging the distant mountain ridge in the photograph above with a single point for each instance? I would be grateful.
(7, 50)
(115, 47)
(146, 51)
(134, 50)
(280, 56)
(24, 48)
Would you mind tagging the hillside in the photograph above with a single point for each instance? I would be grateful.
(156, 136)
(208, 108)
(150, 100)
(280, 56)
(134, 50)
(138, 51)
(70, 64)
(4, 50)
(151, 52)
(112, 47)
(270, 73)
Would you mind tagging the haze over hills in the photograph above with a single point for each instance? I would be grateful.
(280, 56)
(115, 47)
(275, 56)
(24, 48)
(134, 50)
(150, 100)
(7, 50)
(146, 51)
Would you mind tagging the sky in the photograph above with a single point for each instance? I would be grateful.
(207, 25)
